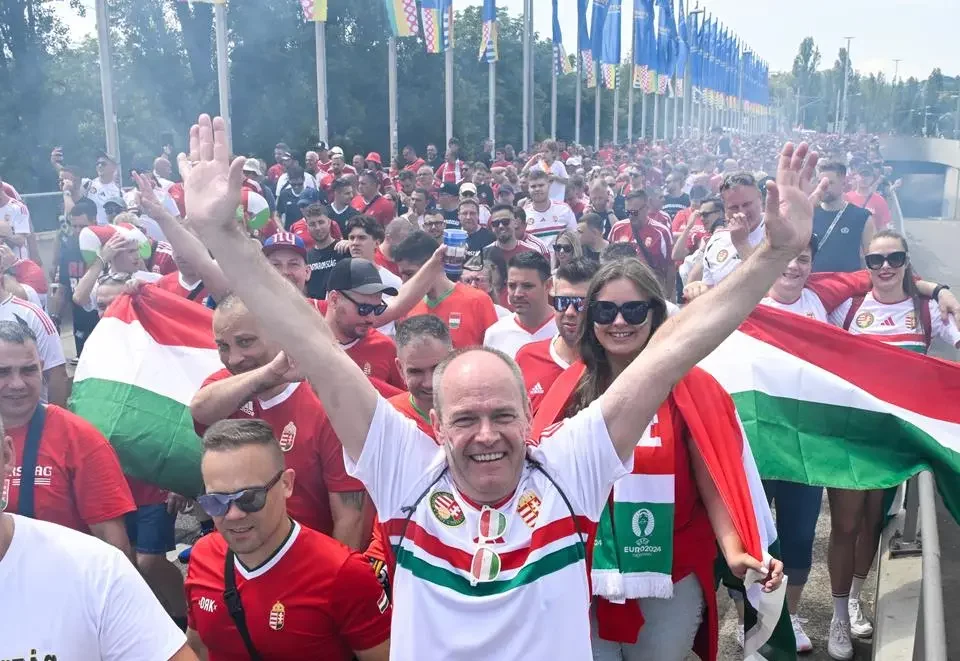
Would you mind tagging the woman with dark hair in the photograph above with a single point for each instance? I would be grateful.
(895, 313)
(653, 562)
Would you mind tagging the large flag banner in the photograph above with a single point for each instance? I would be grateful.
(138, 372)
(437, 17)
(645, 47)
(683, 53)
(584, 46)
(488, 36)
(666, 44)
(402, 17)
(610, 54)
(561, 63)
(314, 10)
(821, 406)
(597, 32)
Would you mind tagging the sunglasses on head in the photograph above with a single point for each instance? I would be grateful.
(563, 303)
(249, 500)
(565, 248)
(365, 309)
(605, 312)
(895, 260)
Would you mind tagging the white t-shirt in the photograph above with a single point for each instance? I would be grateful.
(543, 573)
(896, 323)
(720, 257)
(501, 311)
(508, 335)
(48, 339)
(808, 305)
(68, 595)
(558, 192)
(100, 192)
(388, 278)
(547, 225)
(308, 182)
(17, 214)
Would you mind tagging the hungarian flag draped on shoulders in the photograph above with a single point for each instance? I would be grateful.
(139, 369)
(633, 553)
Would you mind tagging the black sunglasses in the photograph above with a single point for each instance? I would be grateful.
(563, 303)
(895, 260)
(500, 223)
(565, 248)
(248, 500)
(634, 213)
(365, 309)
(605, 312)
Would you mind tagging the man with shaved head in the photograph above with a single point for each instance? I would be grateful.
(452, 511)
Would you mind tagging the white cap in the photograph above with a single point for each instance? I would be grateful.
(253, 165)
(468, 188)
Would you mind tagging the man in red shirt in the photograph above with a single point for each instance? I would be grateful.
(413, 162)
(451, 170)
(300, 594)
(338, 166)
(396, 231)
(422, 342)
(280, 153)
(652, 240)
(370, 202)
(77, 480)
(542, 362)
(866, 196)
(503, 222)
(257, 382)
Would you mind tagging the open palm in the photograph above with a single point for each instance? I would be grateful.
(791, 200)
(211, 182)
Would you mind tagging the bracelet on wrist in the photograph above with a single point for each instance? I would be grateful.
(937, 290)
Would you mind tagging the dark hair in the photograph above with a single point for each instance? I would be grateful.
(406, 174)
(699, 193)
(368, 224)
(16, 332)
(84, 207)
(315, 209)
(909, 280)
(533, 261)
(469, 200)
(735, 179)
(225, 435)
(636, 194)
(283, 146)
(417, 248)
(535, 175)
(617, 251)
(342, 182)
(520, 214)
(598, 374)
(577, 270)
(371, 175)
(410, 147)
(294, 171)
(421, 326)
(593, 221)
(503, 207)
(423, 191)
(833, 166)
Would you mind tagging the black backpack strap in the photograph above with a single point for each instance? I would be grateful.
(192, 296)
(28, 469)
(235, 605)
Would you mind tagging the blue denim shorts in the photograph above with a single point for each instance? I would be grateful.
(151, 529)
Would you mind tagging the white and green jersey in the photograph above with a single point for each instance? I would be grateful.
(808, 305)
(896, 323)
(530, 599)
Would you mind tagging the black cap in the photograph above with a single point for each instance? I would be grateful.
(450, 189)
(358, 275)
(321, 145)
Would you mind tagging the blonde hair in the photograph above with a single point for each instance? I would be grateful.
(574, 239)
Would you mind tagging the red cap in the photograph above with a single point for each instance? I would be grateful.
(375, 157)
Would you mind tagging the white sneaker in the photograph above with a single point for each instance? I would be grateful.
(839, 646)
(740, 635)
(803, 641)
(859, 624)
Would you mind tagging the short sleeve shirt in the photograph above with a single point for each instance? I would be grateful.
(720, 257)
(18, 216)
(48, 339)
(547, 225)
(376, 355)
(896, 323)
(540, 365)
(808, 305)
(466, 311)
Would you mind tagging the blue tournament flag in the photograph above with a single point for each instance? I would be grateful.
(610, 55)
(666, 44)
(588, 71)
(683, 54)
(560, 60)
(488, 38)
(596, 28)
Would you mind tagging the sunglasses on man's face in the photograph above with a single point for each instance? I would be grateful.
(499, 223)
(563, 303)
(366, 309)
(895, 260)
(633, 312)
(250, 500)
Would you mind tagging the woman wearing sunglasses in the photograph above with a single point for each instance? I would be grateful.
(894, 313)
(656, 545)
(565, 249)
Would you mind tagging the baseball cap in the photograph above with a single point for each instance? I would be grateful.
(336, 151)
(287, 240)
(119, 201)
(359, 276)
(308, 197)
(321, 145)
(375, 157)
(506, 189)
(450, 189)
(468, 189)
(252, 165)
(575, 161)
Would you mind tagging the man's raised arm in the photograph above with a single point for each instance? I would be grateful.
(212, 189)
(684, 340)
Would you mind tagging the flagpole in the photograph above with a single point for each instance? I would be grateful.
(677, 102)
(492, 106)
(320, 33)
(448, 89)
(576, 128)
(596, 115)
(553, 100)
(392, 95)
(533, 68)
(630, 105)
(527, 11)
(106, 85)
(656, 110)
(643, 114)
(223, 69)
(616, 106)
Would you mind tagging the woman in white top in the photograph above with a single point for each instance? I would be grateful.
(894, 313)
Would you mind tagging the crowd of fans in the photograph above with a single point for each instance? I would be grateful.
(575, 256)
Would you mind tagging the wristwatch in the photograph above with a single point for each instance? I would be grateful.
(936, 292)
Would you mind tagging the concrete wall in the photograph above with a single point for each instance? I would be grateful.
(921, 161)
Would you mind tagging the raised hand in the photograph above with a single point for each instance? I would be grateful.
(211, 182)
(791, 200)
(739, 229)
(149, 203)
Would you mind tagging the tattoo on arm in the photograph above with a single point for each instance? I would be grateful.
(353, 499)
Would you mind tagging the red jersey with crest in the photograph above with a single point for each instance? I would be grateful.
(174, 283)
(376, 355)
(540, 365)
(310, 447)
(78, 481)
(656, 239)
(466, 311)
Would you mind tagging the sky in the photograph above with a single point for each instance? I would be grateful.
(921, 33)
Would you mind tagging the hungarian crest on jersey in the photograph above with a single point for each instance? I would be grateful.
(288, 437)
(528, 507)
(277, 616)
(445, 507)
(4, 494)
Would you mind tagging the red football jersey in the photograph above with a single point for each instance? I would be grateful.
(376, 355)
(173, 282)
(381, 260)
(162, 261)
(78, 481)
(466, 311)
(657, 243)
(382, 208)
(310, 446)
(313, 599)
(540, 366)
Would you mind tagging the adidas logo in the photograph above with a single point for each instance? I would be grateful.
(536, 389)
(888, 322)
